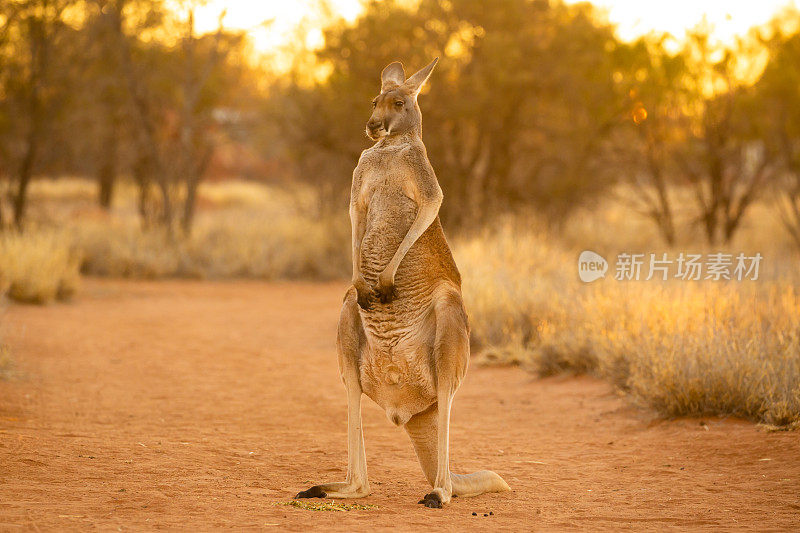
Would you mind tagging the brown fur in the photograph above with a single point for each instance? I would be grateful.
(403, 334)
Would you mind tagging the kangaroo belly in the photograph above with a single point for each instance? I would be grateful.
(400, 380)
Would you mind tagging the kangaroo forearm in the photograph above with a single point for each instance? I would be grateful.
(425, 217)
(356, 260)
(358, 234)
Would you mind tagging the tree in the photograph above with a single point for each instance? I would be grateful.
(105, 96)
(778, 107)
(725, 164)
(175, 125)
(514, 117)
(34, 76)
(652, 81)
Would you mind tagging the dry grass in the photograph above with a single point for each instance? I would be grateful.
(327, 506)
(239, 244)
(38, 266)
(683, 348)
(242, 230)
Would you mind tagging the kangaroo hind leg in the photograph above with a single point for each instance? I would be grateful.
(349, 343)
(429, 430)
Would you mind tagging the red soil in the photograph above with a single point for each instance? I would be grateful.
(198, 405)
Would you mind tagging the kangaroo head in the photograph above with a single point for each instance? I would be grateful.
(395, 110)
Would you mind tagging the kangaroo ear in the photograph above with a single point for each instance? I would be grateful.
(415, 82)
(392, 76)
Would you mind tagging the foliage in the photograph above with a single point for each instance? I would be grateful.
(681, 347)
(327, 506)
(512, 115)
(538, 105)
(37, 266)
(143, 102)
(535, 105)
(35, 91)
(777, 104)
(246, 231)
(645, 144)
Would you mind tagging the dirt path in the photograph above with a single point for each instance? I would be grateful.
(202, 405)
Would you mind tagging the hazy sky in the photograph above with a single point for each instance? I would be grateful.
(633, 17)
(284, 14)
(729, 17)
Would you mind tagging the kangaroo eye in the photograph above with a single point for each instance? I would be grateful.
(374, 103)
(399, 103)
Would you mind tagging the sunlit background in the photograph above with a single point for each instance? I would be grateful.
(160, 139)
(175, 182)
(269, 24)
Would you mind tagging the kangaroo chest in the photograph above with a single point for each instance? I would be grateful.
(390, 210)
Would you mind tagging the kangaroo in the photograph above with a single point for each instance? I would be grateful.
(403, 336)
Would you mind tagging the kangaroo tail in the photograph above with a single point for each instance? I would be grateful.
(478, 483)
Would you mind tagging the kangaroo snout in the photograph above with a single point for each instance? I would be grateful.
(375, 127)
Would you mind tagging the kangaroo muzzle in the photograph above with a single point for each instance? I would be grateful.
(376, 127)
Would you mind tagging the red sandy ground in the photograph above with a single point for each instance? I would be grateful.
(197, 405)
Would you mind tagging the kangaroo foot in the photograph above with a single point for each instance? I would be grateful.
(314, 492)
(432, 500)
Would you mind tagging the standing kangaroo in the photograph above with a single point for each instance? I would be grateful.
(403, 337)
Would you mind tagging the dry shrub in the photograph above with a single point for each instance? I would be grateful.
(38, 266)
(242, 230)
(239, 242)
(683, 348)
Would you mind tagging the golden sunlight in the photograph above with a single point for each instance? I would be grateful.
(270, 24)
(727, 18)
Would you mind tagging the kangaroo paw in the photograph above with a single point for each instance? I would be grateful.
(386, 294)
(363, 299)
(432, 500)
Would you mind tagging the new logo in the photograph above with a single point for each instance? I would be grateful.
(591, 266)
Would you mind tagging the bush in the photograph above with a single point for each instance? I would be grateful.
(238, 243)
(683, 348)
(38, 266)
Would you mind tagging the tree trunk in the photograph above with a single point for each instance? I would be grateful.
(107, 174)
(141, 176)
(667, 227)
(166, 218)
(663, 210)
(710, 224)
(192, 184)
(189, 207)
(106, 184)
(107, 171)
(24, 179)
